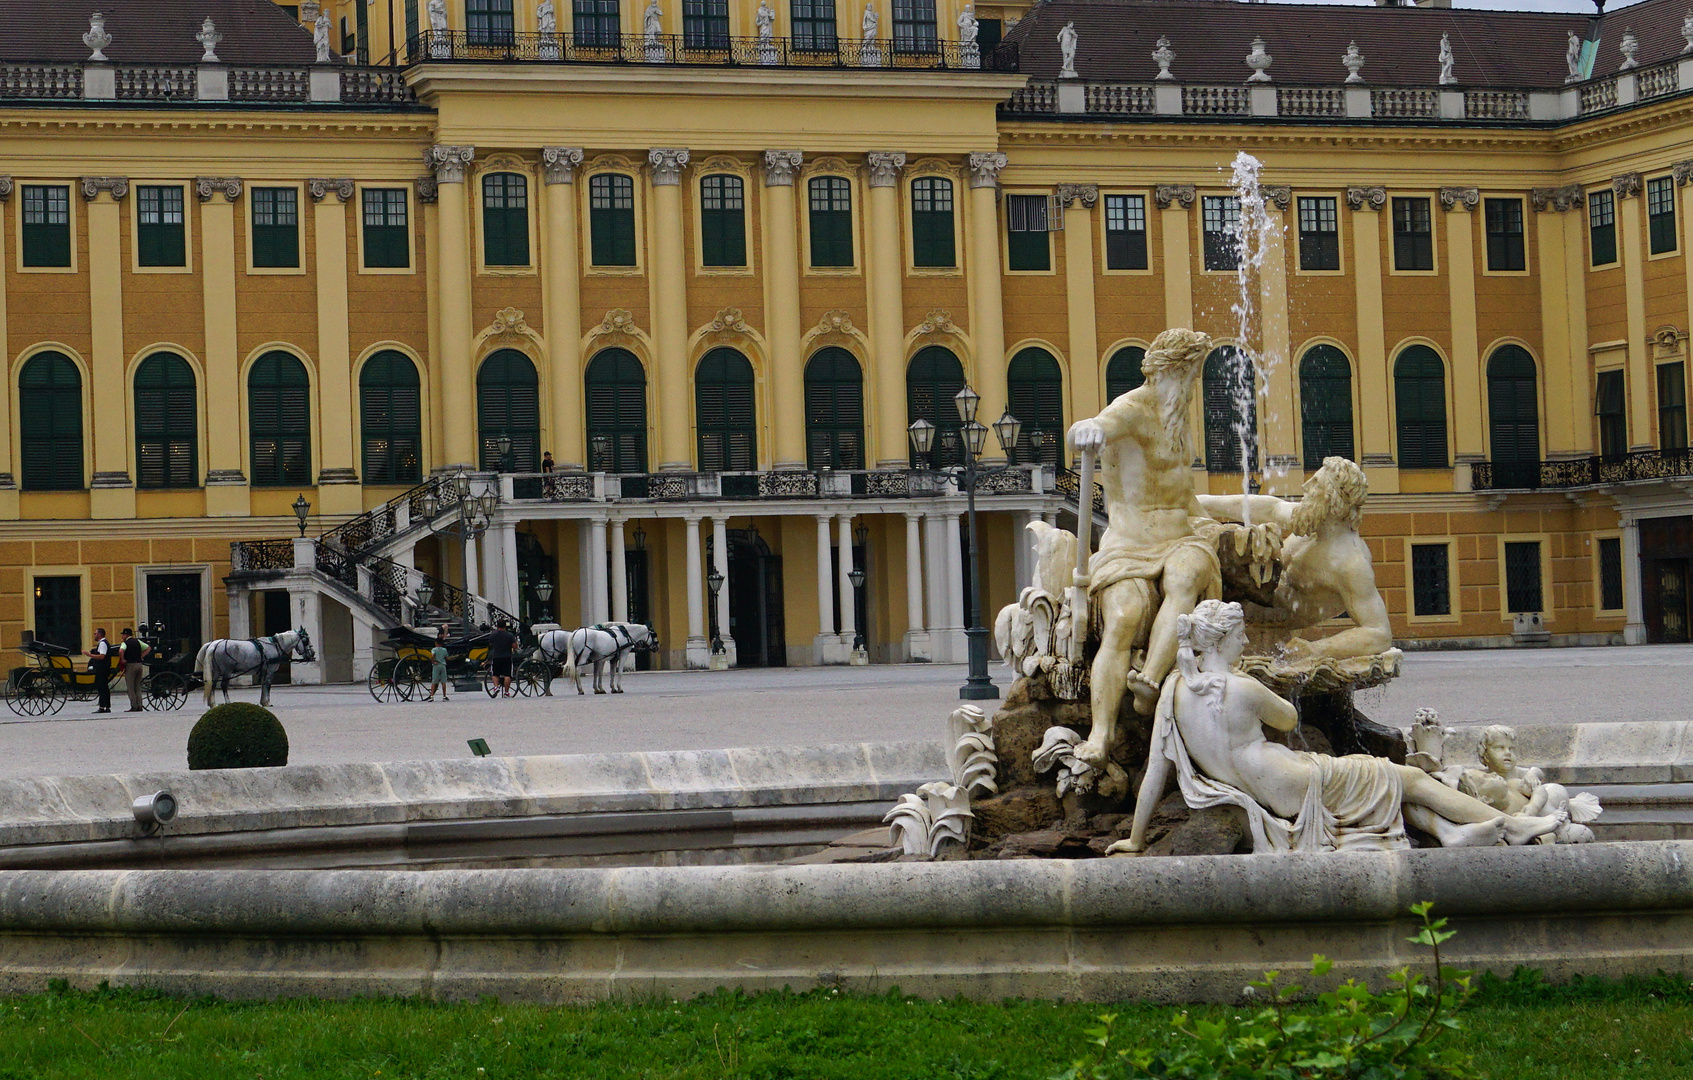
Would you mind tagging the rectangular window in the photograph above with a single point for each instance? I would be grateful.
(705, 24)
(276, 227)
(505, 220)
(1125, 232)
(47, 225)
(1660, 213)
(596, 23)
(931, 223)
(1602, 226)
(611, 219)
(1610, 574)
(1431, 580)
(1027, 247)
(1522, 576)
(1319, 233)
(723, 228)
(813, 25)
(1220, 223)
(1672, 407)
(1413, 235)
(1611, 400)
(58, 611)
(914, 26)
(831, 221)
(1505, 235)
(386, 229)
(161, 232)
(488, 22)
(411, 19)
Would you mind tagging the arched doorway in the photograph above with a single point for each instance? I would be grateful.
(755, 599)
(508, 405)
(1035, 396)
(1513, 415)
(932, 378)
(834, 411)
(724, 414)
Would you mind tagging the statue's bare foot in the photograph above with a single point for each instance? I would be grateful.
(1520, 829)
(1479, 834)
(1091, 754)
(1122, 847)
(1146, 694)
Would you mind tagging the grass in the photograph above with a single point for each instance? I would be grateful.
(1518, 1029)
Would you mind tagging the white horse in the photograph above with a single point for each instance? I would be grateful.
(226, 658)
(598, 645)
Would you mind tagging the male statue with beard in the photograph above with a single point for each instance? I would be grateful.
(1326, 568)
(1151, 566)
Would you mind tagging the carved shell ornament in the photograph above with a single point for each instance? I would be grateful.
(837, 322)
(508, 322)
(937, 322)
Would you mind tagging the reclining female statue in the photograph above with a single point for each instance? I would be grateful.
(1209, 724)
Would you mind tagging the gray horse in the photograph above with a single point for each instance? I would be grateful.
(226, 658)
(598, 645)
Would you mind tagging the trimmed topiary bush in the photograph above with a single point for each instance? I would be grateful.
(237, 735)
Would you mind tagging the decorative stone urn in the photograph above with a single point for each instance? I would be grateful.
(1259, 61)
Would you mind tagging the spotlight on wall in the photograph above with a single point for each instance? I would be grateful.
(154, 810)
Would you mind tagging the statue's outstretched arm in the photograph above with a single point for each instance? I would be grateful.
(1232, 508)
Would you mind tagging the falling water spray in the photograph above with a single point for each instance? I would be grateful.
(1254, 230)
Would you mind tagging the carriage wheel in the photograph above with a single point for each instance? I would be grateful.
(489, 686)
(381, 682)
(532, 677)
(39, 693)
(411, 677)
(164, 690)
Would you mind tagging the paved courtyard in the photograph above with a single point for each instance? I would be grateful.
(798, 706)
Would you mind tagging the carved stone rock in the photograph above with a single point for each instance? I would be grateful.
(449, 162)
(1455, 198)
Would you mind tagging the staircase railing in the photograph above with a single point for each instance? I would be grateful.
(1069, 484)
(391, 589)
(377, 525)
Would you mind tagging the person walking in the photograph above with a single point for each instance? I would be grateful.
(100, 663)
(438, 667)
(500, 644)
(131, 652)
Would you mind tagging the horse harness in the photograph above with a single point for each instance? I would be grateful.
(258, 645)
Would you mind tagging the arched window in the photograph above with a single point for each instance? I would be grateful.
(505, 219)
(167, 437)
(50, 423)
(391, 419)
(1419, 400)
(834, 411)
(279, 420)
(1122, 373)
(932, 378)
(1035, 395)
(1230, 383)
(617, 412)
(1325, 405)
(508, 403)
(1513, 417)
(723, 413)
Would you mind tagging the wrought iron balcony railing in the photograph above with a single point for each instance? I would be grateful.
(1582, 472)
(774, 485)
(706, 48)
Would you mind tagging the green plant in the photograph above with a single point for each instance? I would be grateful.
(237, 735)
(1352, 1034)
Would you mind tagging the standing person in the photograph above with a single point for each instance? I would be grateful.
(547, 462)
(438, 666)
(132, 652)
(500, 644)
(100, 663)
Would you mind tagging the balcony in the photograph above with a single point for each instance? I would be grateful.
(1643, 465)
(435, 46)
(785, 485)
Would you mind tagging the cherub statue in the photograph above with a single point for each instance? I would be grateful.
(1209, 725)
(1326, 567)
(1501, 784)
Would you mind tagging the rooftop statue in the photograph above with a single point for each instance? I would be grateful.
(1354, 61)
(1164, 56)
(1067, 50)
(546, 19)
(320, 37)
(1572, 57)
(97, 38)
(1446, 61)
(968, 27)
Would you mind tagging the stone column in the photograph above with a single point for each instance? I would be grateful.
(669, 278)
(1021, 546)
(1567, 433)
(1085, 383)
(849, 602)
(1468, 415)
(782, 311)
(307, 613)
(1634, 632)
(113, 494)
(954, 614)
(720, 563)
(597, 567)
(561, 303)
(916, 632)
(884, 267)
(240, 605)
(338, 478)
(1174, 201)
(826, 647)
(1642, 384)
(472, 563)
(1375, 432)
(226, 486)
(8, 473)
(619, 572)
(934, 573)
(458, 380)
(987, 315)
(699, 648)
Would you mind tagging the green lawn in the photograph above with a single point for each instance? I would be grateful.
(1516, 1030)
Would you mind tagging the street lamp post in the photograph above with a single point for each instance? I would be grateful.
(544, 593)
(599, 447)
(978, 686)
(474, 514)
(714, 582)
(301, 509)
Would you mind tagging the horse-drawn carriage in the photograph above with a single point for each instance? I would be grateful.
(405, 676)
(56, 675)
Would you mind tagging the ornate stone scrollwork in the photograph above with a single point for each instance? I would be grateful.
(885, 167)
(1455, 198)
(834, 322)
(1557, 199)
(1627, 185)
(318, 187)
(559, 163)
(449, 162)
(428, 190)
(5, 188)
(508, 322)
(937, 322)
(1180, 194)
(984, 169)
(92, 186)
(1682, 171)
(1067, 194)
(617, 328)
(1372, 197)
(728, 320)
(780, 167)
(1278, 195)
(667, 166)
(207, 186)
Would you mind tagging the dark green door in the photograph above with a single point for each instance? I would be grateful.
(58, 611)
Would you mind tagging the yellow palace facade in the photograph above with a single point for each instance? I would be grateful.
(710, 261)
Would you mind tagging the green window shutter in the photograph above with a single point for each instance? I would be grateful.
(505, 220)
(1027, 243)
(50, 424)
(160, 226)
(279, 420)
(723, 229)
(1325, 405)
(616, 385)
(1035, 396)
(830, 201)
(276, 227)
(932, 378)
(1504, 220)
(391, 419)
(611, 219)
(166, 423)
(1225, 370)
(1672, 407)
(1602, 226)
(1611, 406)
(932, 240)
(508, 403)
(1660, 214)
(386, 231)
(1125, 232)
(1123, 373)
(724, 414)
(834, 410)
(1419, 397)
(46, 225)
(1513, 417)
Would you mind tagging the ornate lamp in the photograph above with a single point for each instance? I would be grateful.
(430, 504)
(301, 509)
(544, 593)
(503, 445)
(600, 447)
(714, 582)
(967, 400)
(856, 576)
(1006, 429)
(640, 538)
(488, 503)
(461, 485)
(975, 437)
(922, 436)
(861, 535)
(425, 593)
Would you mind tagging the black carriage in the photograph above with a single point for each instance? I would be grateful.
(171, 675)
(55, 675)
(405, 676)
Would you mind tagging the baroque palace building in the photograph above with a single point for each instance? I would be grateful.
(715, 256)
